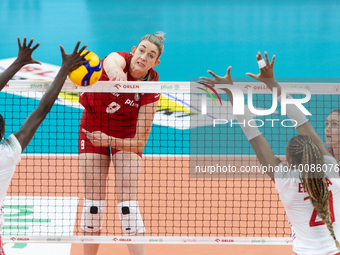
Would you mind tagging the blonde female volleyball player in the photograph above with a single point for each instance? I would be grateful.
(306, 194)
(14, 145)
(120, 122)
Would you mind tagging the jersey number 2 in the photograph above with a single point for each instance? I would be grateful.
(313, 222)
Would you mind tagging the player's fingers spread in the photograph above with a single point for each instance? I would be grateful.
(212, 74)
(30, 43)
(76, 48)
(78, 64)
(259, 56)
(229, 72)
(273, 60)
(19, 43)
(62, 50)
(24, 43)
(204, 79)
(266, 56)
(252, 75)
(82, 61)
(82, 49)
(36, 46)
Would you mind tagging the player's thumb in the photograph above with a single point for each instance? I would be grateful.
(252, 75)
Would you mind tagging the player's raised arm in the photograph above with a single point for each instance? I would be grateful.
(114, 65)
(266, 76)
(24, 58)
(260, 145)
(70, 63)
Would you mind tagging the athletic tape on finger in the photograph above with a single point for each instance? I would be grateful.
(261, 63)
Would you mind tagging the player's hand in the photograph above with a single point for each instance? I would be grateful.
(75, 59)
(117, 75)
(98, 138)
(217, 79)
(25, 53)
(266, 74)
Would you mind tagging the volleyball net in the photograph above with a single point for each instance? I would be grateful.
(200, 181)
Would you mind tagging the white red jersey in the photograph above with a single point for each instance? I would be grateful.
(311, 233)
(10, 156)
(116, 113)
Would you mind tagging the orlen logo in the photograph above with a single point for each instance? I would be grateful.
(257, 87)
(7, 85)
(227, 240)
(23, 239)
(117, 86)
(87, 240)
(189, 240)
(224, 240)
(131, 86)
(19, 239)
(336, 88)
(122, 240)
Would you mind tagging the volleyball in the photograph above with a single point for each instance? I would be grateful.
(89, 74)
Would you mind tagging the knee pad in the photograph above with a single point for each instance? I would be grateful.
(93, 215)
(130, 217)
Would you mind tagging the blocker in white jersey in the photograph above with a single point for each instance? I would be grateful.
(311, 232)
(10, 156)
(313, 170)
(11, 148)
